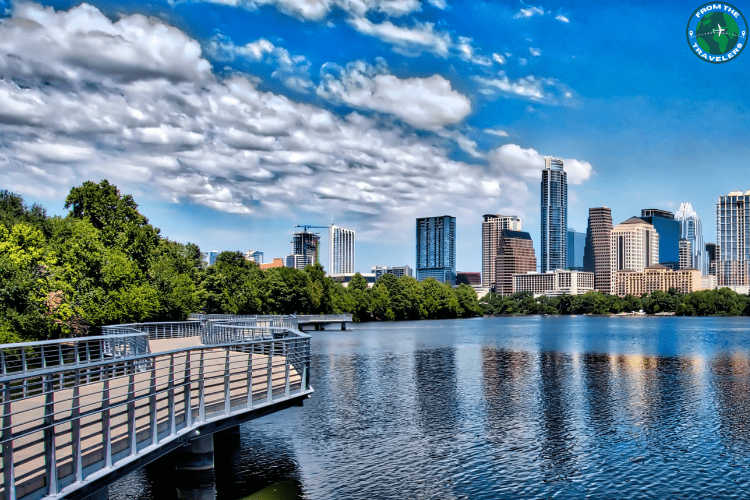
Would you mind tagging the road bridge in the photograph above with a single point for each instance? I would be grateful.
(80, 413)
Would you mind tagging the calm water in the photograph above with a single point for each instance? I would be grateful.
(530, 407)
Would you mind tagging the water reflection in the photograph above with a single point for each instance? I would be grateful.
(435, 383)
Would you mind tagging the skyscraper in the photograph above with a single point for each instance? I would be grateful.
(436, 249)
(692, 230)
(554, 215)
(212, 257)
(576, 247)
(340, 250)
(597, 255)
(669, 235)
(308, 246)
(732, 229)
(515, 255)
(712, 252)
(492, 226)
(635, 246)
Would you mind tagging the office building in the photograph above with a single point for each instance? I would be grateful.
(712, 251)
(276, 262)
(340, 250)
(468, 278)
(692, 230)
(656, 277)
(515, 255)
(397, 271)
(492, 226)
(254, 256)
(436, 249)
(554, 283)
(212, 257)
(576, 248)
(297, 261)
(307, 245)
(732, 230)
(634, 247)
(668, 230)
(346, 278)
(686, 257)
(554, 212)
(597, 255)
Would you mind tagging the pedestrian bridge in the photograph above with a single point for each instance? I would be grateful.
(80, 413)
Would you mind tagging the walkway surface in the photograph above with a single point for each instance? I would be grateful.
(132, 405)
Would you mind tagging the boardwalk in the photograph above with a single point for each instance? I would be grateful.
(75, 423)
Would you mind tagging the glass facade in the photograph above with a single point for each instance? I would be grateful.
(576, 247)
(668, 230)
(436, 249)
(554, 212)
(692, 231)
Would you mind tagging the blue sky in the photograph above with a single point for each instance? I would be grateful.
(232, 121)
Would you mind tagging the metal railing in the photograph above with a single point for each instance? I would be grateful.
(32, 356)
(333, 318)
(68, 424)
(157, 331)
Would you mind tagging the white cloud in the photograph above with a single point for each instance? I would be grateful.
(426, 103)
(423, 37)
(533, 88)
(499, 133)
(184, 135)
(535, 52)
(562, 18)
(499, 58)
(529, 163)
(530, 12)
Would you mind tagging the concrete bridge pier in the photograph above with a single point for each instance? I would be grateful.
(195, 477)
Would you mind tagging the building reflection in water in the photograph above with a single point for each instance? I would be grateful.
(557, 435)
(436, 392)
(731, 383)
(505, 384)
(599, 392)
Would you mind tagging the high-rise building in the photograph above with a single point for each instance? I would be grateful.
(554, 215)
(576, 248)
(635, 246)
(686, 256)
(492, 226)
(597, 256)
(436, 248)
(712, 251)
(692, 230)
(515, 255)
(307, 245)
(468, 278)
(212, 257)
(254, 256)
(732, 230)
(669, 235)
(340, 250)
(297, 261)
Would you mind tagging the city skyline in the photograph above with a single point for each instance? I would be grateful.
(231, 123)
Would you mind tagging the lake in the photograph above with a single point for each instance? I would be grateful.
(510, 407)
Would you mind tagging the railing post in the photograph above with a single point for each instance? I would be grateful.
(201, 391)
(9, 476)
(106, 429)
(131, 412)
(305, 363)
(250, 377)
(187, 393)
(170, 401)
(153, 423)
(227, 388)
(76, 428)
(50, 459)
(285, 347)
(269, 372)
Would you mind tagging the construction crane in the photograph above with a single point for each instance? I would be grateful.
(305, 227)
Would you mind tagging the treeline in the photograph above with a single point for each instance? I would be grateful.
(721, 302)
(104, 263)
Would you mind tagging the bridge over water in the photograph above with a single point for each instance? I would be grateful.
(79, 413)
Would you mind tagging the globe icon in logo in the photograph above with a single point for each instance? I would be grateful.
(717, 33)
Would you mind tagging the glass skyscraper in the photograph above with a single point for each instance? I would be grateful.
(436, 249)
(554, 215)
(692, 230)
(732, 231)
(575, 249)
(669, 235)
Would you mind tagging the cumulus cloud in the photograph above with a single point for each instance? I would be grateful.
(426, 103)
(529, 163)
(178, 132)
(316, 10)
(532, 88)
(562, 18)
(535, 52)
(422, 37)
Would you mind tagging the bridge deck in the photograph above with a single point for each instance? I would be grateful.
(85, 420)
